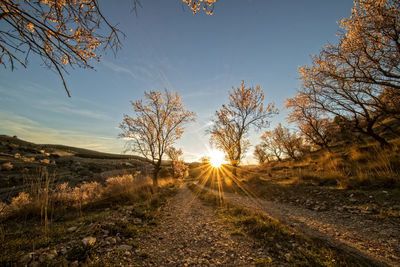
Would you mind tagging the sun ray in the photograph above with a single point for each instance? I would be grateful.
(217, 158)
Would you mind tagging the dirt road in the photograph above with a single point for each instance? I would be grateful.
(372, 239)
(190, 234)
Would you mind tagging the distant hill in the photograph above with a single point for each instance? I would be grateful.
(68, 150)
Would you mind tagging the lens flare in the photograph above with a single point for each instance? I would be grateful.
(217, 158)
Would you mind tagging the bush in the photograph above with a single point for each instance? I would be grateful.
(7, 166)
(20, 202)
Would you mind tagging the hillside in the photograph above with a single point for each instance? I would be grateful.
(22, 161)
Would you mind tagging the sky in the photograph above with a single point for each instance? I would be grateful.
(201, 57)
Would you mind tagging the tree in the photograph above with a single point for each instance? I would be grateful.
(348, 80)
(312, 122)
(357, 103)
(157, 125)
(234, 120)
(260, 154)
(67, 32)
(271, 144)
(370, 42)
(282, 140)
(291, 143)
(197, 5)
(177, 164)
(62, 33)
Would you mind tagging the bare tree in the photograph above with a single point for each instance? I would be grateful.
(234, 120)
(157, 125)
(282, 140)
(271, 144)
(260, 154)
(316, 127)
(357, 103)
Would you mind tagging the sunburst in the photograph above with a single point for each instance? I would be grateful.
(217, 158)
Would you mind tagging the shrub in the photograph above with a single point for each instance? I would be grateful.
(179, 169)
(7, 166)
(20, 202)
(125, 187)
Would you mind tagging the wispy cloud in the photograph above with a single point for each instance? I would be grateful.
(48, 102)
(120, 69)
(68, 108)
(149, 73)
(139, 72)
(164, 80)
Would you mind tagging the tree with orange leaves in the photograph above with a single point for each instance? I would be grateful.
(197, 5)
(281, 141)
(158, 123)
(234, 120)
(350, 80)
(67, 32)
(370, 44)
(62, 32)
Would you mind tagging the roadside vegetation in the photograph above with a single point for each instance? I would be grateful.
(91, 223)
(360, 179)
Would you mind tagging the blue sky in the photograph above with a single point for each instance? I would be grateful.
(201, 57)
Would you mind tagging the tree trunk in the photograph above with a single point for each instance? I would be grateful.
(382, 141)
(234, 171)
(155, 177)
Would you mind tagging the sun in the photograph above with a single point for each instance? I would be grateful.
(217, 158)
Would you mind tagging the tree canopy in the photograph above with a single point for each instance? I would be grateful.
(158, 122)
(233, 121)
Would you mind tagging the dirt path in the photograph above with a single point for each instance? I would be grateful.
(190, 234)
(368, 238)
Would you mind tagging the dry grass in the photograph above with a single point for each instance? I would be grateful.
(43, 196)
(349, 168)
(114, 206)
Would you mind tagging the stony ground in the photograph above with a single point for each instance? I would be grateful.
(372, 238)
(190, 234)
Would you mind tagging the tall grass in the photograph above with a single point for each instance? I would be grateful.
(43, 196)
(369, 166)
